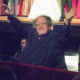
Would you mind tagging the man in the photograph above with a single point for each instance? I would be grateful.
(22, 47)
(44, 47)
(23, 43)
(63, 5)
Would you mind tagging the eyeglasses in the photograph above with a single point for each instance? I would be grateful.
(23, 42)
(43, 24)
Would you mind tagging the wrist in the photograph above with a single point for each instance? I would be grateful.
(65, 20)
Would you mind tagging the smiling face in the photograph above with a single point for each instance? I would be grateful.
(42, 25)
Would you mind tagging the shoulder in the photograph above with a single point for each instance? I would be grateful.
(54, 33)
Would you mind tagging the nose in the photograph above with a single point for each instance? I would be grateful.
(40, 26)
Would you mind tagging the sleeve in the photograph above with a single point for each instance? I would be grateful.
(19, 26)
(67, 29)
(61, 61)
(63, 35)
(61, 39)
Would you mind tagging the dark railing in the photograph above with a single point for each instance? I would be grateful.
(35, 72)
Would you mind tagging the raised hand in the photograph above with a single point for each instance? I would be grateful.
(70, 14)
(6, 10)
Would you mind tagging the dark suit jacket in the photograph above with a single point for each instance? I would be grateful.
(45, 50)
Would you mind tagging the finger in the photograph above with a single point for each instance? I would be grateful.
(65, 10)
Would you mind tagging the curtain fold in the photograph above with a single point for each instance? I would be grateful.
(76, 3)
(1, 13)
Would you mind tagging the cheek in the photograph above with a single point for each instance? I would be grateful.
(46, 28)
(37, 28)
(23, 45)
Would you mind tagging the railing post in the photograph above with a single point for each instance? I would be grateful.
(79, 60)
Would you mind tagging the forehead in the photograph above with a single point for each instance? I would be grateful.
(24, 40)
(41, 19)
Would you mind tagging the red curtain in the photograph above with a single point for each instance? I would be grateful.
(1, 1)
(76, 3)
(20, 7)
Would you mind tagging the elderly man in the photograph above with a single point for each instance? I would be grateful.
(44, 47)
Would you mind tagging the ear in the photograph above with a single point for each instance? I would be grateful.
(49, 28)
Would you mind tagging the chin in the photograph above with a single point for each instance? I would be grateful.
(42, 33)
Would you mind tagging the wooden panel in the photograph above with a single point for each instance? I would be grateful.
(25, 19)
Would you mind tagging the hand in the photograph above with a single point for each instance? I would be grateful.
(70, 14)
(6, 9)
(7, 12)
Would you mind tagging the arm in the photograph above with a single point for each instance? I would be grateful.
(67, 20)
(19, 26)
(61, 60)
(69, 15)
(62, 37)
